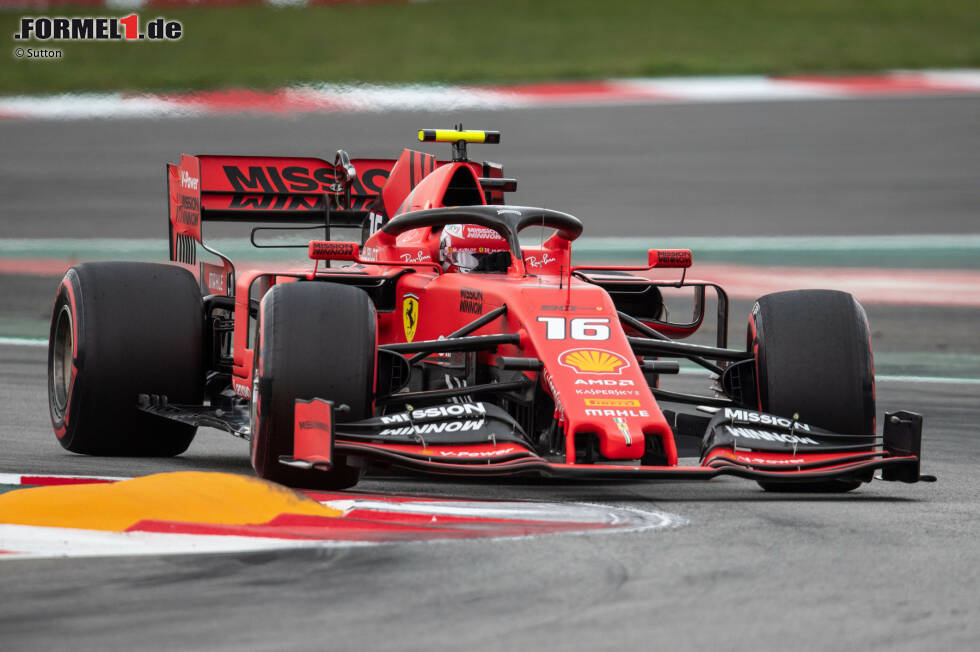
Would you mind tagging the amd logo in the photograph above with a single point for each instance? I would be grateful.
(606, 382)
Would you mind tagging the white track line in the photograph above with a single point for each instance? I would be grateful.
(23, 341)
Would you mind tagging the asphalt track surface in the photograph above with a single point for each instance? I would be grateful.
(888, 567)
(793, 168)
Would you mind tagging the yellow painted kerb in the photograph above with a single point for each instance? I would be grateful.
(186, 496)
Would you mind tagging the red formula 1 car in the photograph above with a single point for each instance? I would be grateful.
(446, 345)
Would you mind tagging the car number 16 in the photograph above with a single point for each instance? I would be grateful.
(577, 328)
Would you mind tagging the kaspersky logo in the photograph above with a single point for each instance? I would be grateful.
(593, 361)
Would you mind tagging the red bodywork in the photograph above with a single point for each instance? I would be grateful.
(590, 372)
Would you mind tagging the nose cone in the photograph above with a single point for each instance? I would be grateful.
(593, 374)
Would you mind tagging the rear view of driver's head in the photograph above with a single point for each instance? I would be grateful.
(470, 248)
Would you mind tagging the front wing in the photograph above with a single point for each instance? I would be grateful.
(482, 440)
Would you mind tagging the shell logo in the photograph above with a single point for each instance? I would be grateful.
(593, 361)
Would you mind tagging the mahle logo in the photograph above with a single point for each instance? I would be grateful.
(593, 361)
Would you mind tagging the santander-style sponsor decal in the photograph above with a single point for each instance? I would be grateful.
(593, 361)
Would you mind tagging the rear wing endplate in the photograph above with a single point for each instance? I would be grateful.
(268, 189)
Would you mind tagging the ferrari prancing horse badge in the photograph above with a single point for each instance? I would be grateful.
(410, 315)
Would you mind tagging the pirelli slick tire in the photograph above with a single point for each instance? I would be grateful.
(813, 359)
(119, 330)
(315, 340)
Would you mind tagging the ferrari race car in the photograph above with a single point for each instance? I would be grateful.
(442, 342)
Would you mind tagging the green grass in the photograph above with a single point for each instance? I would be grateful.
(508, 41)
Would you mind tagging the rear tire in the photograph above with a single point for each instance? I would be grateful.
(315, 340)
(813, 359)
(119, 330)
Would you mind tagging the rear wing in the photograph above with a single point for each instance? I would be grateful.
(295, 190)
(359, 193)
(268, 189)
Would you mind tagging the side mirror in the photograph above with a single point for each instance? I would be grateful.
(673, 258)
(333, 250)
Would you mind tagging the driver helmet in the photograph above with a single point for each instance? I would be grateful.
(471, 248)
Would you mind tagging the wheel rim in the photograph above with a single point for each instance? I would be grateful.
(61, 362)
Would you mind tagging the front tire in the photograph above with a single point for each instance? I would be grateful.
(813, 359)
(315, 340)
(119, 330)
